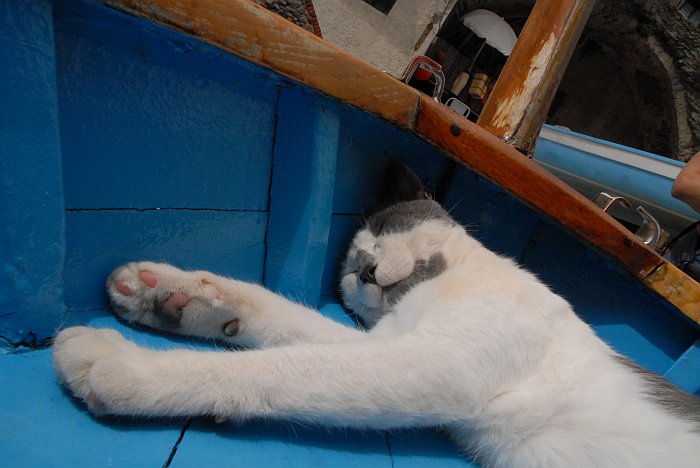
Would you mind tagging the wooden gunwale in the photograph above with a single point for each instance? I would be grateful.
(247, 30)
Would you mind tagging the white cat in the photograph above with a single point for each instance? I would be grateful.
(461, 338)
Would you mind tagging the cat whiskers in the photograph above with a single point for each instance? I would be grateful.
(449, 211)
(471, 227)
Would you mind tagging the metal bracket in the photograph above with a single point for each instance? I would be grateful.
(605, 201)
(649, 232)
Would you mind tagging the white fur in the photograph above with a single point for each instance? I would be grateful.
(484, 349)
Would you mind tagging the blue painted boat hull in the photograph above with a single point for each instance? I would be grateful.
(125, 141)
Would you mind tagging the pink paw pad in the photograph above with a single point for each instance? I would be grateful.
(149, 278)
(176, 301)
(123, 288)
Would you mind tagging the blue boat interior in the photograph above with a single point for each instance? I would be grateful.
(125, 140)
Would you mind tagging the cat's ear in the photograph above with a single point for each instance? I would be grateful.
(401, 184)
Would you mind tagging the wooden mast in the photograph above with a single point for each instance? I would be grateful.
(518, 105)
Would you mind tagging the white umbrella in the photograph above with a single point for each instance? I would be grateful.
(491, 27)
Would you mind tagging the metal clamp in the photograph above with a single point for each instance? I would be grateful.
(649, 232)
(605, 201)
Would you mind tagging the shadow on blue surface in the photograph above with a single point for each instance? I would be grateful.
(41, 425)
(45, 424)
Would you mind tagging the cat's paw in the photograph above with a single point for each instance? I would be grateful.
(159, 295)
(82, 354)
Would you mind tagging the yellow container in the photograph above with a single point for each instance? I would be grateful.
(477, 90)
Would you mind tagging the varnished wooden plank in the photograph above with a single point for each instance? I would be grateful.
(247, 30)
(524, 91)
(677, 288)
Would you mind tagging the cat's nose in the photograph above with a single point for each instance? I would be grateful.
(367, 274)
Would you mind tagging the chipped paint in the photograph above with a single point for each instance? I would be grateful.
(517, 102)
(252, 50)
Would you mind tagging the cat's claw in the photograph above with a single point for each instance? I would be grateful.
(232, 328)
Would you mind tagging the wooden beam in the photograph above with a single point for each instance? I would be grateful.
(518, 105)
(677, 288)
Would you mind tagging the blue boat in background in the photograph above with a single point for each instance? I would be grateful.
(591, 166)
(218, 136)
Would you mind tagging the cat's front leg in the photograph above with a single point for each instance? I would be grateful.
(373, 384)
(199, 303)
(77, 349)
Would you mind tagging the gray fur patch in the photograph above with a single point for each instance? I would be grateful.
(171, 318)
(402, 217)
(664, 393)
(422, 271)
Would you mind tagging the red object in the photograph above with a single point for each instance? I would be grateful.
(422, 74)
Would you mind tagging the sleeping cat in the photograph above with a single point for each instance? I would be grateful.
(460, 338)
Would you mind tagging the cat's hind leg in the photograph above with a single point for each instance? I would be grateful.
(202, 304)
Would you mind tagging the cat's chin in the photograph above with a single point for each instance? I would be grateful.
(370, 316)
